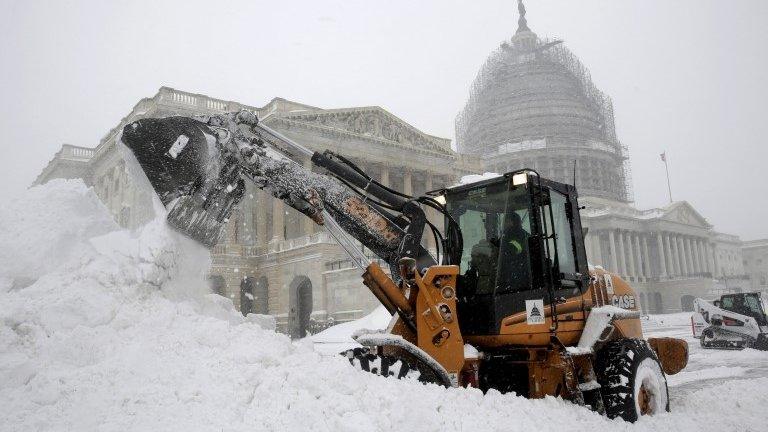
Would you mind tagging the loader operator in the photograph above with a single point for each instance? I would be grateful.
(513, 250)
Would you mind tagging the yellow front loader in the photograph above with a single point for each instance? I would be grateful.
(509, 302)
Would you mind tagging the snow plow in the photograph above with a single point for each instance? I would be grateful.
(735, 321)
(507, 301)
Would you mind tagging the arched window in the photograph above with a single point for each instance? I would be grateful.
(261, 296)
(659, 305)
(686, 303)
(218, 284)
(300, 306)
(246, 295)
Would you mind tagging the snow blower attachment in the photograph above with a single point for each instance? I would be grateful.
(513, 306)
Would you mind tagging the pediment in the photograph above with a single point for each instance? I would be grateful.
(372, 122)
(684, 213)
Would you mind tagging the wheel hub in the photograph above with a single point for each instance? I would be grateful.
(644, 401)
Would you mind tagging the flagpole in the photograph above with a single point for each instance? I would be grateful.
(666, 166)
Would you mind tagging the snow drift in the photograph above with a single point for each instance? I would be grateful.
(103, 329)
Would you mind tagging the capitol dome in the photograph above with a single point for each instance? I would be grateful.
(533, 105)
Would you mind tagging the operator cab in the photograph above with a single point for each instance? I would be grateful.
(522, 240)
(747, 304)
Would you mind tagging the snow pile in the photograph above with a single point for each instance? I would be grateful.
(338, 338)
(679, 319)
(35, 239)
(114, 330)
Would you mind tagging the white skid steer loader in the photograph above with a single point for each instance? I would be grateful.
(735, 321)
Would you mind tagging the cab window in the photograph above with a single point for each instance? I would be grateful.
(514, 254)
(495, 225)
(555, 221)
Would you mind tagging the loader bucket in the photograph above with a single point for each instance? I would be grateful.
(197, 183)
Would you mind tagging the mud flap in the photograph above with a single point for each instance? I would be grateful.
(672, 353)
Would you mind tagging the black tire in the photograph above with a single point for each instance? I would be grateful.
(706, 336)
(389, 366)
(631, 379)
(762, 342)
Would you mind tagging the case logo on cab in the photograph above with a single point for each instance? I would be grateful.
(534, 311)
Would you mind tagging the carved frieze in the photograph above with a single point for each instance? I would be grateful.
(370, 122)
(683, 213)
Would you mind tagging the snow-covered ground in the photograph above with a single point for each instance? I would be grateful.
(103, 329)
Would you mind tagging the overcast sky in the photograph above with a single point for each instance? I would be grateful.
(686, 77)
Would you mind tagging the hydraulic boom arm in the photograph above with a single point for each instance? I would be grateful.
(197, 166)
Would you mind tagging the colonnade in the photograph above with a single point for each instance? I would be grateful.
(629, 253)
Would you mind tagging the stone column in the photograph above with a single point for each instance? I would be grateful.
(308, 224)
(384, 175)
(668, 255)
(716, 260)
(588, 247)
(262, 200)
(681, 254)
(638, 257)
(278, 220)
(696, 255)
(699, 255)
(662, 256)
(631, 270)
(694, 260)
(676, 255)
(430, 213)
(622, 256)
(598, 249)
(702, 256)
(408, 182)
(672, 255)
(612, 246)
(646, 259)
(691, 256)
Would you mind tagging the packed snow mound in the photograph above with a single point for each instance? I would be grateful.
(338, 338)
(119, 334)
(47, 226)
(374, 321)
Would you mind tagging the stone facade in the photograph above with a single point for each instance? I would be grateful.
(755, 254)
(671, 255)
(296, 270)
